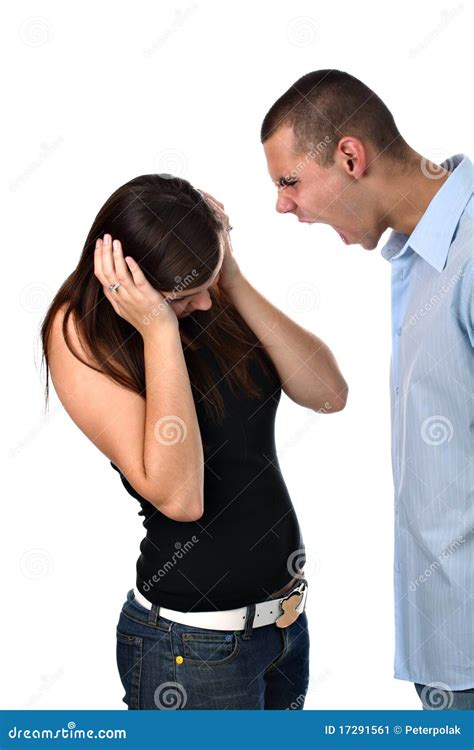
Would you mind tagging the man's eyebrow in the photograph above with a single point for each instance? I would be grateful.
(284, 181)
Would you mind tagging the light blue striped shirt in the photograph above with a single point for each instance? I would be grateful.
(431, 388)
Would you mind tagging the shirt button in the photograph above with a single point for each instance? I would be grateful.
(402, 274)
(228, 637)
(179, 660)
(399, 331)
(397, 390)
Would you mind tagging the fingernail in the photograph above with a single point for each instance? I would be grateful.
(115, 244)
(106, 239)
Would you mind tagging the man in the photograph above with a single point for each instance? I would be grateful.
(337, 158)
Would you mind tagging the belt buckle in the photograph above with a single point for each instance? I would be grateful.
(288, 605)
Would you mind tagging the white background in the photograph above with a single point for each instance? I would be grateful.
(98, 94)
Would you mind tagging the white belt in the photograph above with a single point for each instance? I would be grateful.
(266, 613)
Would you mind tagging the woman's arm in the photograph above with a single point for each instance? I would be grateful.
(155, 442)
(306, 366)
(172, 454)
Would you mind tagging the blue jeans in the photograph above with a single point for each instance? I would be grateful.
(164, 665)
(437, 698)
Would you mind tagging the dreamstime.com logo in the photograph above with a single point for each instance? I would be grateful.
(437, 697)
(180, 16)
(47, 149)
(302, 564)
(435, 298)
(303, 296)
(170, 696)
(447, 15)
(170, 430)
(70, 732)
(297, 703)
(181, 551)
(302, 31)
(180, 285)
(313, 152)
(436, 564)
(434, 171)
(437, 430)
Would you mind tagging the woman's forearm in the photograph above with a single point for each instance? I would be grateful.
(307, 368)
(173, 454)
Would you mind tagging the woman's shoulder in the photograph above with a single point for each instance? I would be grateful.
(67, 333)
(73, 335)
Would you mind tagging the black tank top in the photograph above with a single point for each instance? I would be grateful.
(240, 550)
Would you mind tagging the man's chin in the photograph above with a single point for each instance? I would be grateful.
(349, 239)
(368, 242)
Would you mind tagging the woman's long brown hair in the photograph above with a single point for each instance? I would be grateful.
(173, 233)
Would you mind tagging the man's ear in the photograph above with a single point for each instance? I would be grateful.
(352, 156)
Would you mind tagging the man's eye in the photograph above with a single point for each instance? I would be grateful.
(286, 183)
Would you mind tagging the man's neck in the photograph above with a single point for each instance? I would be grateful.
(411, 194)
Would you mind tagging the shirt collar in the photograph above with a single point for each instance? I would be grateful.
(431, 238)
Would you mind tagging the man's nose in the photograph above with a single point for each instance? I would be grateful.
(284, 204)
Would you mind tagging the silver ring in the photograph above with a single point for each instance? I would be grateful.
(114, 287)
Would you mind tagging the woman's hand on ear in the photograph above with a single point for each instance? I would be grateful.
(230, 271)
(136, 300)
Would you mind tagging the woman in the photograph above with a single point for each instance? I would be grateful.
(172, 364)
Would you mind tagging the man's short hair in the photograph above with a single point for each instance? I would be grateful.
(325, 105)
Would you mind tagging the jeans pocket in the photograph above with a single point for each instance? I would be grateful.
(129, 663)
(211, 648)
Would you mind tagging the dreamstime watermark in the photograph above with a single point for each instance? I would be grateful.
(437, 697)
(437, 430)
(170, 163)
(170, 696)
(47, 150)
(170, 430)
(180, 16)
(302, 31)
(436, 564)
(70, 732)
(36, 563)
(181, 551)
(315, 680)
(33, 296)
(180, 285)
(296, 436)
(434, 171)
(315, 150)
(301, 564)
(303, 297)
(436, 298)
(447, 16)
(326, 408)
(297, 703)
(47, 682)
(36, 31)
